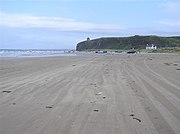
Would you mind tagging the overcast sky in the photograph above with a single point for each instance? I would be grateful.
(60, 24)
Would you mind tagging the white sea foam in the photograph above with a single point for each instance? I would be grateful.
(35, 53)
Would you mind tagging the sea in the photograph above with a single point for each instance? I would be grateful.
(22, 53)
(28, 53)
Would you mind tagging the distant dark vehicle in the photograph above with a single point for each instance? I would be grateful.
(104, 51)
(131, 52)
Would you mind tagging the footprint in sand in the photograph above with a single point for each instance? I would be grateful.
(96, 110)
(49, 107)
(131, 115)
(5, 91)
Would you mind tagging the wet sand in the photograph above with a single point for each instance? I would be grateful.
(136, 94)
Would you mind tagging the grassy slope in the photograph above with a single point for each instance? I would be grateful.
(124, 43)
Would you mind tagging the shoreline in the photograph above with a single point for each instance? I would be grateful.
(11, 53)
(85, 54)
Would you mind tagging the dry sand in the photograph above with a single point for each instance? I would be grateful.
(137, 94)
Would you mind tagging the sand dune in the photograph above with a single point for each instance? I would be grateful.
(136, 94)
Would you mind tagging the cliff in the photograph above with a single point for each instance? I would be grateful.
(136, 42)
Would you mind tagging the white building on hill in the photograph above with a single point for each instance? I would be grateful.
(152, 47)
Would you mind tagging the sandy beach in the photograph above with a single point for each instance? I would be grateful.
(130, 94)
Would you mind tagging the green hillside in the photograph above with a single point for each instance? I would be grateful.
(137, 42)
